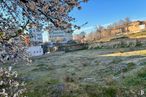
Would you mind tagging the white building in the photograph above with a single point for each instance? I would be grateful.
(142, 27)
(35, 51)
(59, 35)
(42, 36)
(36, 35)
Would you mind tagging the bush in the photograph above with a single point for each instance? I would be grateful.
(142, 74)
(138, 43)
(131, 65)
(100, 91)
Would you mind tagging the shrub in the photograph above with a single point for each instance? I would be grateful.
(131, 65)
(142, 73)
(138, 43)
(143, 63)
(100, 91)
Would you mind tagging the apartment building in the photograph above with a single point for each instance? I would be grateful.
(36, 35)
(59, 36)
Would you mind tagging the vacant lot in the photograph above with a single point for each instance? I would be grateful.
(86, 73)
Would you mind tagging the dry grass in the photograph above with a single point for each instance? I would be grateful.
(130, 53)
(137, 35)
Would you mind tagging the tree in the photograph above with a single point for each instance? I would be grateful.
(10, 84)
(127, 21)
(77, 37)
(120, 23)
(90, 37)
(40, 12)
(17, 15)
(99, 30)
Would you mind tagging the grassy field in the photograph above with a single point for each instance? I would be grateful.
(87, 73)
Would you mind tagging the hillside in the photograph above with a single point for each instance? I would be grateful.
(121, 28)
(137, 35)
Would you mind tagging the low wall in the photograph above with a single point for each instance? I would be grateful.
(119, 43)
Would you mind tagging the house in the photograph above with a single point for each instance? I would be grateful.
(35, 51)
(131, 27)
(117, 30)
(137, 26)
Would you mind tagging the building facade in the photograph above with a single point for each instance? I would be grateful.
(36, 35)
(59, 36)
(137, 26)
(35, 51)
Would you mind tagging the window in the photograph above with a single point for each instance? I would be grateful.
(39, 38)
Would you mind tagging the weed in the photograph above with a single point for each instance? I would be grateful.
(131, 65)
(116, 60)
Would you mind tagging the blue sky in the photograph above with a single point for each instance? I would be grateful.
(103, 12)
